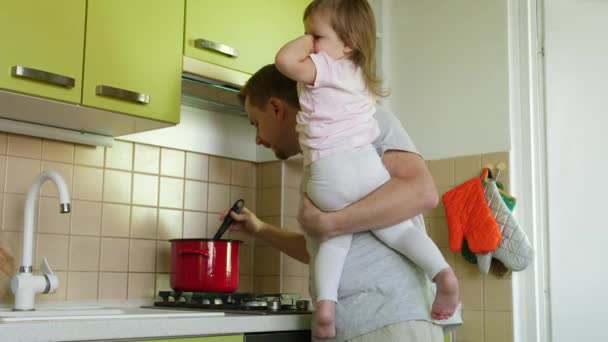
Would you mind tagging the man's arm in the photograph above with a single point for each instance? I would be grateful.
(290, 243)
(409, 192)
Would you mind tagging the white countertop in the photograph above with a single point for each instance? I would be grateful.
(149, 327)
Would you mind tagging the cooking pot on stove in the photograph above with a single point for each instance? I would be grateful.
(206, 265)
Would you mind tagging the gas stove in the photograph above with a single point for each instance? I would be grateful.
(236, 302)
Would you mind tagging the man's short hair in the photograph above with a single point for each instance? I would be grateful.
(267, 82)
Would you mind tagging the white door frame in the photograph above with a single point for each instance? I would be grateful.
(531, 301)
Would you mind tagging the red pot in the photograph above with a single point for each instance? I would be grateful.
(204, 265)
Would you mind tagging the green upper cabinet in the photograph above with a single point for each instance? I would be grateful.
(217, 30)
(133, 57)
(42, 47)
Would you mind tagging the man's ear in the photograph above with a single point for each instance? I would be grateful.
(278, 107)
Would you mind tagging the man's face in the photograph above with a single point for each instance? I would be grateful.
(275, 129)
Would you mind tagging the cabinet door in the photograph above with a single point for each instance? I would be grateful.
(42, 47)
(255, 29)
(133, 57)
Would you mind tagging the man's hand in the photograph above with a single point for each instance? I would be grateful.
(246, 222)
(313, 221)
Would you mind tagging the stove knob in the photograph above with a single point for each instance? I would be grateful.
(206, 302)
(218, 301)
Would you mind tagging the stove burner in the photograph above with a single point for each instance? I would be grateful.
(249, 303)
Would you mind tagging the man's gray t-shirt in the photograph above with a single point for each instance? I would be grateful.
(379, 286)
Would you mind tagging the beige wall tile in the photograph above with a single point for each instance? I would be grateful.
(247, 194)
(24, 146)
(86, 218)
(82, 285)
(243, 173)
(471, 294)
(293, 267)
(14, 206)
(114, 256)
(219, 198)
(195, 197)
(293, 173)
(267, 261)
(3, 143)
(296, 285)
(58, 151)
(213, 224)
(498, 295)
(61, 292)
(146, 159)
(51, 220)
(464, 269)
(258, 175)
(142, 256)
(143, 222)
(472, 328)
(117, 186)
(120, 156)
(112, 285)
(172, 162)
(141, 286)
(498, 326)
(87, 184)
(195, 225)
(270, 203)
(442, 172)
(13, 243)
(271, 175)
(2, 172)
(291, 224)
(162, 283)
(170, 223)
(450, 257)
(245, 284)
(115, 219)
(1, 209)
(163, 256)
(219, 170)
(145, 189)
(292, 202)
(20, 173)
(466, 168)
(171, 193)
(268, 284)
(438, 231)
(84, 253)
(65, 170)
(235, 235)
(197, 166)
(89, 155)
(54, 248)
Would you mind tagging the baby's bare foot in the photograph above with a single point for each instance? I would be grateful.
(446, 299)
(325, 324)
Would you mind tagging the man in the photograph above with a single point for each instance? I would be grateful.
(383, 296)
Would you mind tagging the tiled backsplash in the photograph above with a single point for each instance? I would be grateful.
(127, 201)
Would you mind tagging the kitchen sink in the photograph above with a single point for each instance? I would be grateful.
(66, 314)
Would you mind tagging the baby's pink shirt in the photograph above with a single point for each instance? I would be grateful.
(337, 111)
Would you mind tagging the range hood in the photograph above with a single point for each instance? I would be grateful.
(212, 87)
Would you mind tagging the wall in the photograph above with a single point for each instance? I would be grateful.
(576, 121)
(127, 202)
(446, 64)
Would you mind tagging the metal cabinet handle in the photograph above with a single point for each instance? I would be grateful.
(42, 76)
(221, 48)
(122, 94)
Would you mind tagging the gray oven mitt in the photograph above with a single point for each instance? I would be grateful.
(515, 251)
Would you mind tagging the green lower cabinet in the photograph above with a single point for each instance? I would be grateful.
(133, 57)
(42, 47)
(242, 35)
(228, 338)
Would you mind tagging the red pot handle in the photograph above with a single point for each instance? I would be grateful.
(200, 252)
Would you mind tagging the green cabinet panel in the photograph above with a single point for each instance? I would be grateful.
(257, 29)
(46, 36)
(231, 338)
(135, 46)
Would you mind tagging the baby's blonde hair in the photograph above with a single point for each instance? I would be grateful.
(353, 21)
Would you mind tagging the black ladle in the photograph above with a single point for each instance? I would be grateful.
(237, 207)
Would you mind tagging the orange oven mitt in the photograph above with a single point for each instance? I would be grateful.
(470, 217)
